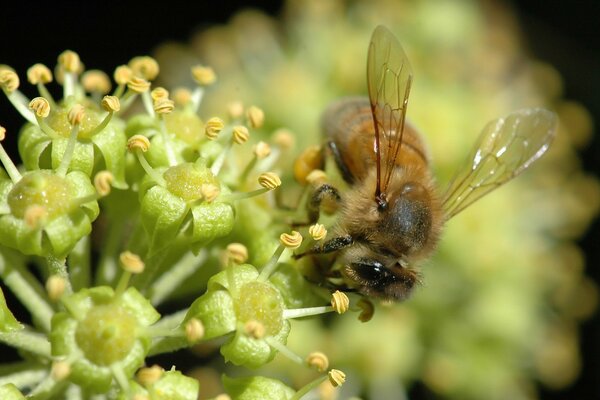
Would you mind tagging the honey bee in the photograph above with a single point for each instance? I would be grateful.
(391, 218)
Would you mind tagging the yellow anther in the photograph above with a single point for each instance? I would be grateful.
(35, 215)
(269, 180)
(39, 73)
(255, 329)
(203, 75)
(291, 240)
(145, 67)
(256, 117)
(138, 142)
(182, 96)
(336, 377)
(96, 81)
(209, 192)
(283, 138)
(147, 376)
(103, 182)
(310, 159)
(60, 370)
(138, 85)
(131, 262)
(236, 253)
(262, 150)
(240, 134)
(316, 177)
(40, 106)
(123, 74)
(194, 330)
(223, 396)
(2, 133)
(340, 302)
(159, 93)
(235, 109)
(70, 61)
(213, 127)
(317, 231)
(55, 287)
(111, 103)
(367, 310)
(76, 114)
(317, 360)
(164, 106)
(9, 80)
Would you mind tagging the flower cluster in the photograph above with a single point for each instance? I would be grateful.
(165, 193)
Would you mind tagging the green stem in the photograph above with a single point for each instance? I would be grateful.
(242, 195)
(68, 154)
(306, 312)
(197, 95)
(271, 265)
(79, 264)
(33, 342)
(21, 103)
(147, 101)
(58, 267)
(168, 282)
(46, 94)
(308, 387)
(102, 124)
(107, 265)
(70, 80)
(280, 347)
(23, 374)
(167, 143)
(9, 166)
(48, 389)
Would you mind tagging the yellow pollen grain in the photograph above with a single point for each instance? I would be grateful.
(138, 85)
(240, 134)
(70, 61)
(9, 80)
(336, 377)
(291, 240)
(182, 96)
(147, 376)
(317, 360)
(145, 67)
(316, 177)
(194, 330)
(103, 182)
(40, 106)
(235, 109)
(122, 74)
(96, 81)
(367, 310)
(111, 103)
(340, 302)
(213, 127)
(34, 215)
(223, 396)
(237, 253)
(164, 106)
(76, 114)
(209, 192)
(39, 73)
(131, 262)
(55, 287)
(203, 75)
(269, 180)
(255, 329)
(262, 150)
(317, 231)
(159, 93)
(138, 142)
(60, 370)
(283, 138)
(255, 116)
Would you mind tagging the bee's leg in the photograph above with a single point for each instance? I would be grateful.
(329, 246)
(325, 191)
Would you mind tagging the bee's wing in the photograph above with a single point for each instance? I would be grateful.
(505, 148)
(389, 78)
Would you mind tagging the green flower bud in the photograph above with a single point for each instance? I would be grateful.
(9, 391)
(256, 388)
(101, 331)
(49, 213)
(173, 385)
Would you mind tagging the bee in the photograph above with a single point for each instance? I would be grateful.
(392, 215)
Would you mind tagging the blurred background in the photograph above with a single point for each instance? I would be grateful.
(524, 53)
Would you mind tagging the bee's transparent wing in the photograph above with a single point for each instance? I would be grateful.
(389, 78)
(505, 148)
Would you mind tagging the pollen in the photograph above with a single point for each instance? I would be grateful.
(76, 114)
(291, 240)
(9, 80)
(317, 360)
(122, 74)
(255, 116)
(240, 134)
(254, 329)
(316, 177)
(138, 85)
(131, 262)
(39, 73)
(317, 231)
(340, 302)
(336, 377)
(164, 106)
(55, 287)
(96, 81)
(269, 180)
(194, 330)
(203, 75)
(236, 253)
(103, 182)
(159, 93)
(40, 106)
(209, 192)
(213, 127)
(70, 61)
(111, 103)
(147, 376)
(145, 67)
(138, 142)
(262, 150)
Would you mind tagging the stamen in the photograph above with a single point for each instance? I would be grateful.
(255, 329)
(317, 232)
(308, 387)
(60, 370)
(182, 96)
(255, 117)
(147, 376)
(139, 144)
(283, 138)
(340, 302)
(240, 134)
(96, 82)
(203, 76)
(40, 75)
(145, 67)
(9, 82)
(261, 150)
(209, 192)
(336, 377)
(235, 109)
(284, 350)
(317, 360)
(213, 127)
(41, 109)
(269, 181)
(71, 65)
(290, 241)
(55, 287)
(236, 253)
(194, 330)
(131, 264)
(9, 166)
(161, 107)
(35, 216)
(74, 116)
(111, 105)
(122, 75)
(159, 93)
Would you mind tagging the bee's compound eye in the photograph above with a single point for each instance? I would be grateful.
(369, 271)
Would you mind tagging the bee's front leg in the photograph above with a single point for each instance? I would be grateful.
(329, 246)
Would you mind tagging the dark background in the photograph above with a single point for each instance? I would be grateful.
(563, 33)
